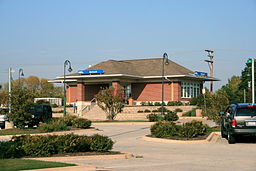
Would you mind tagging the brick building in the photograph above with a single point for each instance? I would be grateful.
(141, 79)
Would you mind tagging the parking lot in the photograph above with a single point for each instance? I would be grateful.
(165, 156)
(152, 156)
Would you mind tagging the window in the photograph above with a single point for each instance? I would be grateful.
(190, 89)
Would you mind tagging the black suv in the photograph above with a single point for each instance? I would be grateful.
(40, 113)
(238, 119)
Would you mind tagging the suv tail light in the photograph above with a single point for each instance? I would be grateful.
(233, 123)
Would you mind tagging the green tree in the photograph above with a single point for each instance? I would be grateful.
(111, 101)
(234, 93)
(212, 104)
(3, 98)
(246, 78)
(22, 100)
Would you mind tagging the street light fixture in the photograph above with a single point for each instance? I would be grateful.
(20, 74)
(67, 62)
(164, 62)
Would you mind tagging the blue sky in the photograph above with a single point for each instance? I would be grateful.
(40, 35)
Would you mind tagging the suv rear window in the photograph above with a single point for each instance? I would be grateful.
(246, 111)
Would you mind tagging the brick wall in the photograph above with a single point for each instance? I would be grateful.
(153, 91)
(71, 94)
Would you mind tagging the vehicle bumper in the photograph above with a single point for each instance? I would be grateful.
(2, 123)
(243, 131)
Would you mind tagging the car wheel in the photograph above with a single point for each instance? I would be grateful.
(223, 135)
(231, 139)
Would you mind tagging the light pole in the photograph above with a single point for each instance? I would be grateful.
(164, 62)
(67, 62)
(20, 74)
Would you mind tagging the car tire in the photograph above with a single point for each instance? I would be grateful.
(222, 132)
(231, 139)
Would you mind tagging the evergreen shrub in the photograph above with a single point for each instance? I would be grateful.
(188, 130)
(41, 145)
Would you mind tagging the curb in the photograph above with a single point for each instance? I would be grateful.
(212, 138)
(92, 157)
(80, 167)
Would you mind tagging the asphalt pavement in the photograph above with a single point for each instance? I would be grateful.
(152, 156)
(159, 156)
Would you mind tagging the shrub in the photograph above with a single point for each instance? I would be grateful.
(157, 104)
(54, 105)
(68, 119)
(140, 111)
(40, 145)
(174, 103)
(188, 130)
(178, 110)
(170, 103)
(147, 111)
(171, 116)
(178, 103)
(190, 113)
(193, 129)
(155, 117)
(155, 110)
(101, 143)
(11, 149)
(53, 126)
(150, 104)
(164, 109)
(71, 143)
(143, 103)
(81, 123)
(164, 129)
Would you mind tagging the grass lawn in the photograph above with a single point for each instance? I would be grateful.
(23, 164)
(16, 131)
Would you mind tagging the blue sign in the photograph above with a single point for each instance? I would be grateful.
(202, 74)
(90, 72)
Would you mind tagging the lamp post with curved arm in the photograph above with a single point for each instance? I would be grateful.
(67, 62)
(20, 74)
(164, 62)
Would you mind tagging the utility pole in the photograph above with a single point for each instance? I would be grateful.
(210, 64)
(10, 88)
(251, 61)
(253, 93)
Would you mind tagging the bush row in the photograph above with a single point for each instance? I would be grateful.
(40, 145)
(159, 110)
(190, 113)
(170, 103)
(64, 123)
(187, 130)
(167, 116)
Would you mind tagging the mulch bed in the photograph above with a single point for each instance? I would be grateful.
(203, 137)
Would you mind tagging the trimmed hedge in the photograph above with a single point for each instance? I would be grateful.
(164, 129)
(169, 116)
(188, 130)
(40, 145)
(62, 124)
(190, 113)
(53, 125)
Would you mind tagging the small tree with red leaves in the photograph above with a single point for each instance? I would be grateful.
(111, 101)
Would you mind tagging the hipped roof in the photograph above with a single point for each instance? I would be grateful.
(139, 67)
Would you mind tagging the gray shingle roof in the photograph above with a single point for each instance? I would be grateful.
(139, 67)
